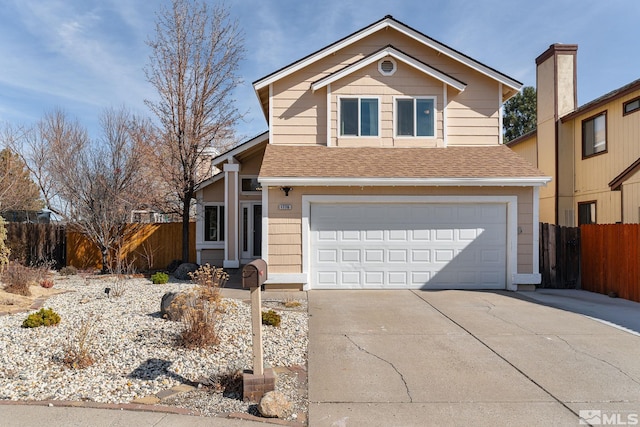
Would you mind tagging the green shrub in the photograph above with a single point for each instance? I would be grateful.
(44, 317)
(271, 318)
(160, 278)
(69, 271)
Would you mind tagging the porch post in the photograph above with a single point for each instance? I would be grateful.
(231, 259)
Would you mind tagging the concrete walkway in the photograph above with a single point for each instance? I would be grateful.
(403, 358)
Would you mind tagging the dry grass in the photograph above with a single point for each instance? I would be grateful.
(78, 352)
(198, 309)
(199, 323)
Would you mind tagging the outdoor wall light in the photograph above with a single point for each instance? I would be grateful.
(286, 190)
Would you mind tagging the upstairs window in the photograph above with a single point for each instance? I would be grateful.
(214, 223)
(594, 135)
(358, 117)
(415, 117)
(631, 106)
(586, 213)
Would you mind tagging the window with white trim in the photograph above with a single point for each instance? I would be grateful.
(416, 117)
(359, 117)
(214, 223)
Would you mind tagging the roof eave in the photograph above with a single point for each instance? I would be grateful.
(536, 181)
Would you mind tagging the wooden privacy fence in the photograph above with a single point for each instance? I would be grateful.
(36, 244)
(150, 247)
(611, 259)
(559, 256)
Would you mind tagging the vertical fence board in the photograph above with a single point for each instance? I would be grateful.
(149, 247)
(611, 259)
(559, 256)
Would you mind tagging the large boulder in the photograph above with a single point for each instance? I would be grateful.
(167, 311)
(182, 272)
(171, 268)
(274, 405)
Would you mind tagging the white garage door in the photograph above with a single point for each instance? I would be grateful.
(417, 246)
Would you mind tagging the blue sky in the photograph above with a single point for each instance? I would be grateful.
(87, 55)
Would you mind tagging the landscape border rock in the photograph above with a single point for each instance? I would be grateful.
(274, 404)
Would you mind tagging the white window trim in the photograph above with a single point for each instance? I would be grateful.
(209, 244)
(359, 98)
(415, 122)
(248, 193)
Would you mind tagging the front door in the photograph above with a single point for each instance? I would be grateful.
(251, 230)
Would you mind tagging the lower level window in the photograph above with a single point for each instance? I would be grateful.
(586, 213)
(214, 223)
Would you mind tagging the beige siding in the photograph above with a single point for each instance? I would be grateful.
(285, 226)
(527, 149)
(214, 192)
(212, 257)
(300, 116)
(631, 200)
(593, 174)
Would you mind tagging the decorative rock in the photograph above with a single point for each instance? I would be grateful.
(171, 268)
(274, 405)
(182, 272)
(166, 310)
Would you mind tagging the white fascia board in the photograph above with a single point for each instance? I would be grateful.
(229, 155)
(385, 23)
(394, 53)
(209, 181)
(391, 182)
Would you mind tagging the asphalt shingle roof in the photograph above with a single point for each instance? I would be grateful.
(371, 162)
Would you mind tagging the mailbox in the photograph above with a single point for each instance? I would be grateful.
(254, 274)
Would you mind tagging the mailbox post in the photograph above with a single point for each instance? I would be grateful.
(256, 383)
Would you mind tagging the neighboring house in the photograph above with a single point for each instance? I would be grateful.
(592, 152)
(382, 168)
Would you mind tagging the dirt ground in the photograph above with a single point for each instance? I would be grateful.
(12, 303)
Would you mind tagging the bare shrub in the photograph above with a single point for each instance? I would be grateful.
(198, 308)
(229, 383)
(78, 351)
(17, 278)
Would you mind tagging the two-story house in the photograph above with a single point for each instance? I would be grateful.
(382, 168)
(592, 152)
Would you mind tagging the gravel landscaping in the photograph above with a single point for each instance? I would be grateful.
(135, 350)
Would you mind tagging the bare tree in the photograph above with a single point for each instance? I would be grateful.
(193, 65)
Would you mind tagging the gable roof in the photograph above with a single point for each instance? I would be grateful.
(348, 166)
(616, 183)
(388, 22)
(391, 51)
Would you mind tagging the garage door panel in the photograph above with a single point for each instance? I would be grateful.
(397, 255)
(408, 246)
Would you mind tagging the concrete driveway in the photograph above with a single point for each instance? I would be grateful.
(415, 358)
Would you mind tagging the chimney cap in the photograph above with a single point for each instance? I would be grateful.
(557, 48)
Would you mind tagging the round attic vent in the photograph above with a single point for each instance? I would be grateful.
(387, 66)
